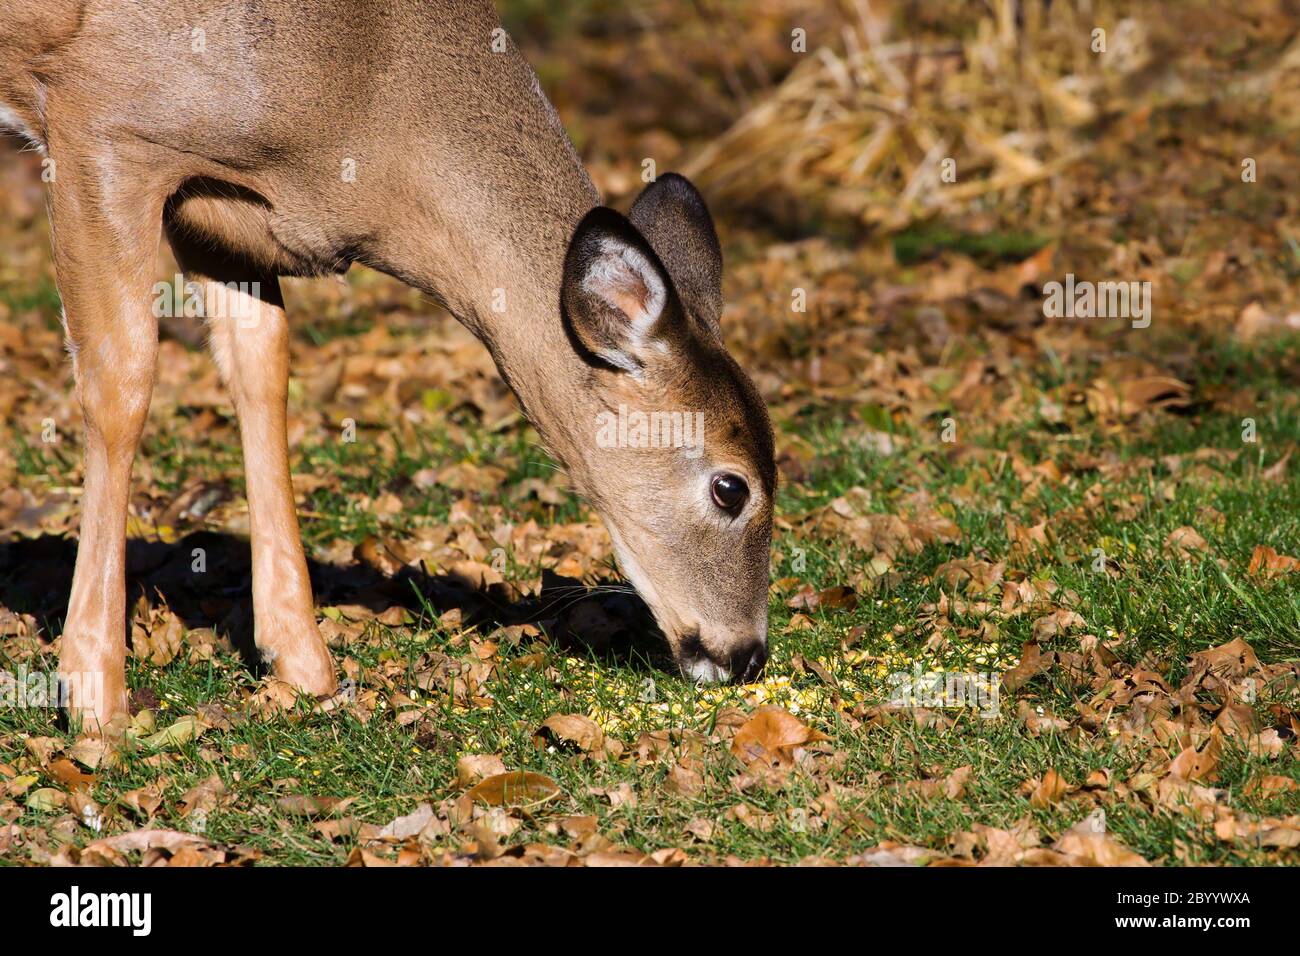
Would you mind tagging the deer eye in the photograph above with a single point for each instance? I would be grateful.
(730, 492)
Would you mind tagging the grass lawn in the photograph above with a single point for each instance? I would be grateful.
(431, 693)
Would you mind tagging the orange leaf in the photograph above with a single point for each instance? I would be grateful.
(772, 734)
(1267, 563)
(517, 789)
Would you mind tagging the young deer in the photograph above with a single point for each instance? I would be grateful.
(273, 138)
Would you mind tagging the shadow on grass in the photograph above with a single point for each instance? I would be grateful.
(608, 621)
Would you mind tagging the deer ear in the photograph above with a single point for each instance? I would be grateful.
(617, 298)
(671, 214)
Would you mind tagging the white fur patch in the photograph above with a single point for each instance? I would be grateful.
(68, 343)
(9, 120)
(621, 361)
(704, 671)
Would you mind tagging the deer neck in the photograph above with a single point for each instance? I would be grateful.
(490, 245)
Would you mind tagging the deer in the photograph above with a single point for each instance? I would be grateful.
(295, 138)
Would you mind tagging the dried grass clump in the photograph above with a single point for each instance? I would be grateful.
(863, 131)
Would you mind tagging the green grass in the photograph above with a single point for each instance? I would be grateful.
(928, 240)
(1165, 609)
(42, 298)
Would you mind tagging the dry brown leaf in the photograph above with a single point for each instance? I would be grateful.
(91, 752)
(684, 781)
(1057, 622)
(148, 839)
(69, 777)
(1006, 847)
(1232, 660)
(954, 785)
(1038, 724)
(1087, 844)
(144, 800)
(43, 748)
(1193, 764)
(773, 735)
(1032, 663)
(701, 829)
(1270, 785)
(620, 796)
(1186, 543)
(1267, 563)
(515, 789)
(1281, 832)
(204, 797)
(836, 598)
(472, 768)
(410, 825)
(305, 805)
(582, 732)
(1051, 789)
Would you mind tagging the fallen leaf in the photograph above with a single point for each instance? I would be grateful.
(178, 734)
(46, 800)
(148, 839)
(582, 732)
(1051, 789)
(515, 789)
(1087, 844)
(410, 825)
(144, 800)
(204, 797)
(1186, 543)
(303, 805)
(1267, 563)
(67, 774)
(684, 781)
(954, 785)
(1270, 785)
(472, 768)
(773, 734)
(1031, 664)
(1232, 660)
(91, 752)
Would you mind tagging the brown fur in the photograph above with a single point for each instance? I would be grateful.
(465, 183)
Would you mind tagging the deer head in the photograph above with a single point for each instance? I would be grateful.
(679, 462)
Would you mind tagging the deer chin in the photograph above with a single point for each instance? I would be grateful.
(703, 671)
(694, 644)
(677, 635)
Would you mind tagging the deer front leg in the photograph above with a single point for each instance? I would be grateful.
(250, 343)
(105, 220)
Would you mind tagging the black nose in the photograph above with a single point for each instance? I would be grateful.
(747, 662)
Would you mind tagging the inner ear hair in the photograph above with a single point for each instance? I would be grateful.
(625, 279)
(617, 298)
